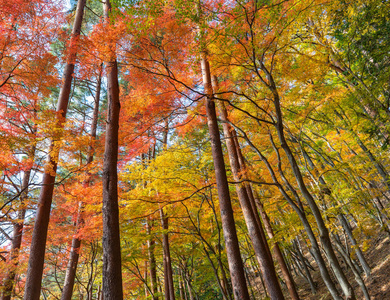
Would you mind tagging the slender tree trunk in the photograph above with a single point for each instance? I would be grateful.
(236, 267)
(278, 253)
(181, 292)
(346, 255)
(190, 291)
(70, 275)
(112, 273)
(168, 274)
(324, 233)
(378, 165)
(254, 226)
(98, 293)
(17, 235)
(344, 223)
(215, 270)
(38, 243)
(243, 170)
(152, 260)
(72, 262)
(341, 217)
(146, 279)
(181, 274)
(315, 249)
(305, 268)
(383, 217)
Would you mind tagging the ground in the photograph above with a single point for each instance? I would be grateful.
(378, 257)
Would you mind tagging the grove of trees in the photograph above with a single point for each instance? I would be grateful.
(199, 149)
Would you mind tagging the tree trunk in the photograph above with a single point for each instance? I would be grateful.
(302, 216)
(305, 268)
(344, 223)
(181, 274)
(152, 260)
(17, 235)
(168, 275)
(358, 278)
(215, 270)
(248, 187)
(70, 275)
(146, 279)
(72, 262)
(278, 253)
(253, 225)
(38, 243)
(236, 267)
(112, 273)
(323, 231)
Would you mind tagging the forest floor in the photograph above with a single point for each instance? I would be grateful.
(378, 257)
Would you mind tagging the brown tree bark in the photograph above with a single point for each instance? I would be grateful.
(278, 253)
(112, 270)
(152, 260)
(168, 275)
(254, 226)
(302, 216)
(236, 267)
(169, 289)
(146, 280)
(308, 276)
(38, 242)
(76, 241)
(323, 230)
(17, 235)
(70, 274)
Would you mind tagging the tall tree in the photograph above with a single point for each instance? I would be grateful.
(18, 233)
(236, 267)
(254, 226)
(112, 269)
(38, 243)
(76, 241)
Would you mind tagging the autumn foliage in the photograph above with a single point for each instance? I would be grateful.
(301, 90)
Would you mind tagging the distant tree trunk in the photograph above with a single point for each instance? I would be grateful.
(347, 228)
(341, 217)
(181, 291)
(278, 253)
(112, 272)
(254, 225)
(323, 230)
(190, 290)
(215, 270)
(146, 279)
(76, 241)
(297, 206)
(70, 274)
(236, 267)
(168, 275)
(378, 165)
(152, 260)
(183, 280)
(169, 289)
(305, 268)
(347, 258)
(382, 214)
(17, 234)
(38, 243)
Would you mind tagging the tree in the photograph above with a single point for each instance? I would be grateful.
(38, 244)
(112, 274)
